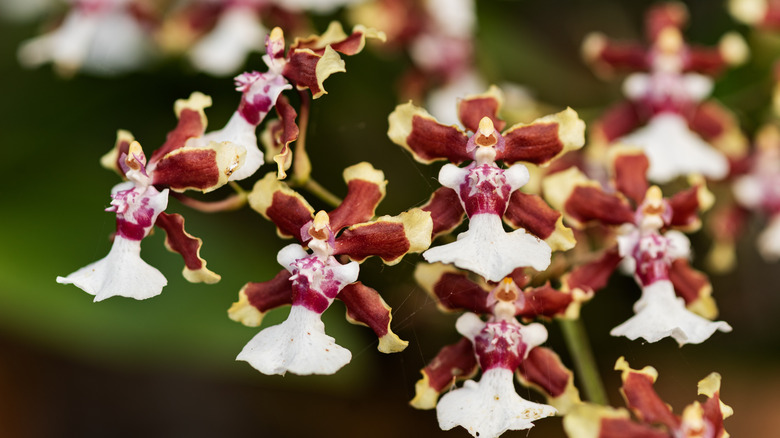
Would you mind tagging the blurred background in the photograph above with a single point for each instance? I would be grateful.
(165, 366)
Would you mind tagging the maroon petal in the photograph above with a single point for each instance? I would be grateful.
(192, 123)
(715, 411)
(366, 188)
(256, 299)
(593, 276)
(630, 166)
(705, 60)
(544, 371)
(583, 200)
(180, 241)
(592, 204)
(623, 427)
(685, 207)
(446, 211)
(694, 287)
(642, 399)
(413, 128)
(545, 301)
(306, 69)
(453, 362)
(281, 205)
(720, 127)
(544, 139)
(279, 134)
(473, 108)
(313, 59)
(532, 213)
(365, 306)
(617, 122)
(336, 38)
(588, 420)
(388, 237)
(607, 56)
(451, 288)
(198, 168)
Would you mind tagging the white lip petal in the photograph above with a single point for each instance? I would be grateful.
(660, 314)
(489, 407)
(298, 345)
(223, 51)
(488, 250)
(674, 150)
(121, 273)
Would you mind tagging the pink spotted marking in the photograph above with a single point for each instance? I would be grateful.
(652, 258)
(485, 190)
(136, 204)
(314, 284)
(500, 345)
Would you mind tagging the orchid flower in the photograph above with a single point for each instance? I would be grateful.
(666, 113)
(311, 281)
(759, 189)
(140, 202)
(655, 418)
(306, 64)
(453, 291)
(501, 347)
(219, 35)
(657, 258)
(100, 36)
(484, 190)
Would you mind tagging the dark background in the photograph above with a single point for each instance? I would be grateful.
(165, 367)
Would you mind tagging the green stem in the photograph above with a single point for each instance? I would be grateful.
(301, 165)
(317, 190)
(584, 362)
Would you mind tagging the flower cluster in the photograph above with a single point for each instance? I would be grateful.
(531, 222)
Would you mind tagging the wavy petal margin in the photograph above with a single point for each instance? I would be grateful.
(388, 237)
(451, 288)
(473, 108)
(280, 204)
(256, 299)
(531, 213)
(365, 306)
(416, 130)
(452, 363)
(366, 187)
(446, 211)
(179, 241)
(544, 139)
(199, 168)
(543, 370)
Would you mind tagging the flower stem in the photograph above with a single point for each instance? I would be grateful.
(232, 202)
(317, 190)
(584, 362)
(301, 163)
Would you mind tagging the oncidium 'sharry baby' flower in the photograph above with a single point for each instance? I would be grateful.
(99, 36)
(140, 203)
(219, 34)
(500, 347)
(306, 65)
(453, 291)
(311, 281)
(666, 112)
(657, 258)
(655, 418)
(759, 189)
(483, 189)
